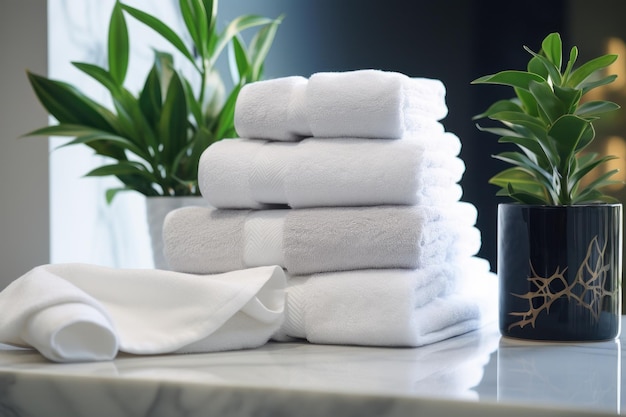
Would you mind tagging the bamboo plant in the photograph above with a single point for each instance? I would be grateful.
(551, 125)
(153, 139)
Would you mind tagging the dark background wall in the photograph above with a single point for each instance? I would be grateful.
(455, 41)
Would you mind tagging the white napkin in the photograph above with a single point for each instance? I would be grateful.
(79, 312)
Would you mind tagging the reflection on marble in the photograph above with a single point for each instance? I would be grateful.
(584, 375)
(476, 374)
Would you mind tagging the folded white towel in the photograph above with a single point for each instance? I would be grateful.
(242, 173)
(305, 241)
(372, 104)
(272, 109)
(363, 103)
(78, 312)
(388, 307)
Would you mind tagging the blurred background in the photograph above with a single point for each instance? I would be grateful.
(49, 214)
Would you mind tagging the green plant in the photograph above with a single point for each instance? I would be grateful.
(551, 126)
(154, 138)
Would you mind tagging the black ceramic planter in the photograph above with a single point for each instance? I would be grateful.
(560, 271)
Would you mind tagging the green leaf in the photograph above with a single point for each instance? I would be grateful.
(570, 97)
(592, 195)
(132, 174)
(185, 164)
(547, 100)
(192, 103)
(586, 167)
(210, 6)
(544, 156)
(122, 168)
(604, 181)
(567, 132)
(118, 45)
(96, 136)
(594, 108)
(150, 98)
(238, 62)
(536, 67)
(88, 135)
(519, 179)
(553, 71)
(498, 131)
(519, 79)
(195, 17)
(590, 85)
(165, 68)
(588, 68)
(525, 163)
(527, 198)
(528, 101)
(112, 192)
(234, 27)
(535, 125)
(162, 29)
(225, 123)
(68, 105)
(173, 124)
(522, 196)
(573, 55)
(499, 106)
(260, 46)
(131, 121)
(99, 74)
(553, 49)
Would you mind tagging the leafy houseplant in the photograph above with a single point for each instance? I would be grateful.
(154, 138)
(560, 243)
(547, 121)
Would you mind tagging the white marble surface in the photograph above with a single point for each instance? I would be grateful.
(478, 374)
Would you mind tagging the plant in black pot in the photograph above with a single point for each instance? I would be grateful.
(560, 241)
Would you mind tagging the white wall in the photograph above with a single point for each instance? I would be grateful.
(24, 222)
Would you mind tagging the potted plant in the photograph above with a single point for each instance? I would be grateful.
(560, 241)
(153, 139)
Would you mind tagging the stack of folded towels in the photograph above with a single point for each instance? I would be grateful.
(350, 183)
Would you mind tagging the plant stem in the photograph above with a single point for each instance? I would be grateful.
(564, 195)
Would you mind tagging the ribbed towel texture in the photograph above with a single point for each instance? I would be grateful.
(78, 312)
(350, 182)
(307, 241)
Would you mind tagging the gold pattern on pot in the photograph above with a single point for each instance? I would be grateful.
(588, 289)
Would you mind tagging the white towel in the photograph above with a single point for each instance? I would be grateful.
(272, 109)
(389, 307)
(242, 173)
(363, 103)
(206, 240)
(78, 312)
(372, 104)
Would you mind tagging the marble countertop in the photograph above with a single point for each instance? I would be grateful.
(477, 374)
